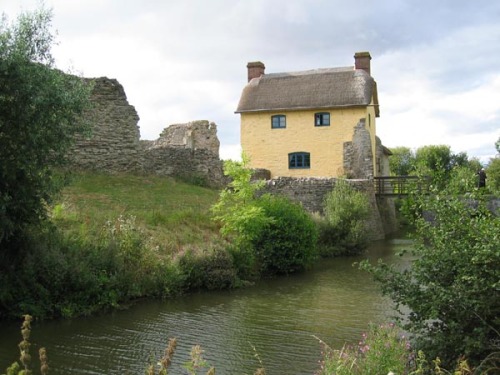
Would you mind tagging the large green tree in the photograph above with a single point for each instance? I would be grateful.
(41, 109)
(402, 161)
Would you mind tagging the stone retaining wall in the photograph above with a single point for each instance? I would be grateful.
(310, 192)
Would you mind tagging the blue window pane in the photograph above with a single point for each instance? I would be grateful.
(322, 119)
(278, 121)
(299, 160)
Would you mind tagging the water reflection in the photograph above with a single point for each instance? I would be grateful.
(274, 322)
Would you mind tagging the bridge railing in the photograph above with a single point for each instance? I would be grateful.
(400, 185)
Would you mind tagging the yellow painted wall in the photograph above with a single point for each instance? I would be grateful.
(269, 148)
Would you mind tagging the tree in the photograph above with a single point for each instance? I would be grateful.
(493, 176)
(451, 289)
(402, 161)
(41, 109)
(434, 161)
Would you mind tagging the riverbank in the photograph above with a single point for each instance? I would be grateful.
(113, 239)
(333, 301)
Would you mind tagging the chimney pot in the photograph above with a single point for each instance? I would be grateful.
(362, 61)
(255, 70)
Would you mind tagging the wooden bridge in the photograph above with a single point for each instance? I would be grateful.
(395, 186)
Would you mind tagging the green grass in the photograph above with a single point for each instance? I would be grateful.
(172, 213)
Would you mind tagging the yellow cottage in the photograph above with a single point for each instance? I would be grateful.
(316, 123)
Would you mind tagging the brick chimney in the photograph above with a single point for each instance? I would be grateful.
(362, 61)
(255, 70)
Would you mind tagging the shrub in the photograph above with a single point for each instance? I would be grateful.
(272, 235)
(451, 288)
(493, 174)
(346, 210)
(68, 276)
(287, 243)
(209, 269)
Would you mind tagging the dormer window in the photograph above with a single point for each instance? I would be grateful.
(322, 119)
(278, 122)
(299, 160)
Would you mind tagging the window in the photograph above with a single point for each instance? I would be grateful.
(322, 119)
(278, 122)
(298, 160)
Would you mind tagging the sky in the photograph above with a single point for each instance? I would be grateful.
(436, 62)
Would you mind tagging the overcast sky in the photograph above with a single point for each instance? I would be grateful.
(436, 62)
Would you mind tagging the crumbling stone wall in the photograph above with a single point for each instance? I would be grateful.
(189, 151)
(358, 156)
(194, 135)
(311, 192)
(113, 144)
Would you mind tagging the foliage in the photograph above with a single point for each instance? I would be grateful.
(287, 243)
(66, 277)
(237, 209)
(23, 367)
(105, 250)
(197, 362)
(493, 176)
(272, 234)
(402, 161)
(207, 269)
(463, 179)
(40, 111)
(434, 161)
(452, 289)
(383, 350)
(346, 210)
(438, 162)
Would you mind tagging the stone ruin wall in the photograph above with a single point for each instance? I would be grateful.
(192, 152)
(189, 151)
(113, 145)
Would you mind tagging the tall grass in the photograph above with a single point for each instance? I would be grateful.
(113, 239)
(170, 213)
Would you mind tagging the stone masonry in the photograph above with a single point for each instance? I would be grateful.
(113, 144)
(189, 151)
(358, 159)
(311, 192)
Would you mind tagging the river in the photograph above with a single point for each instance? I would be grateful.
(277, 323)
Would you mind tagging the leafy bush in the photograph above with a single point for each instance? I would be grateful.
(62, 276)
(346, 210)
(463, 179)
(452, 288)
(237, 208)
(287, 243)
(209, 269)
(493, 174)
(271, 234)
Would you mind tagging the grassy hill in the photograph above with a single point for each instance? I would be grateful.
(117, 238)
(170, 213)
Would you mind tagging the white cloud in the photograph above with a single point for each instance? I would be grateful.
(181, 61)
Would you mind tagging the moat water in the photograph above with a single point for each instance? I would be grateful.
(275, 324)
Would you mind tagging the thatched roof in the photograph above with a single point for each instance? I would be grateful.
(312, 89)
